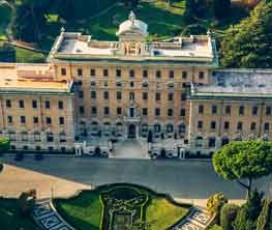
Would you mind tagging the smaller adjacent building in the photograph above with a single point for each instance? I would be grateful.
(237, 105)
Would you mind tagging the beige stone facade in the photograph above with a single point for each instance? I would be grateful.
(123, 89)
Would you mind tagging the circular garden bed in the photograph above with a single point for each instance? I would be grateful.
(121, 206)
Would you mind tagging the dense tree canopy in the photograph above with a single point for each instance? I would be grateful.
(244, 160)
(248, 44)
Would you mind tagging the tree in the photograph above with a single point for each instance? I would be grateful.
(247, 160)
(220, 8)
(248, 44)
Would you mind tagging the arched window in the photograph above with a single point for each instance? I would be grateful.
(170, 128)
(199, 141)
(157, 128)
(144, 128)
(107, 126)
(182, 128)
(95, 126)
(225, 141)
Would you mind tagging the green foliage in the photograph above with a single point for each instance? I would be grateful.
(244, 160)
(227, 216)
(26, 202)
(248, 44)
(264, 221)
(247, 216)
(215, 203)
(7, 53)
(4, 144)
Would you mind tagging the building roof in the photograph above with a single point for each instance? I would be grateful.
(237, 83)
(132, 24)
(30, 78)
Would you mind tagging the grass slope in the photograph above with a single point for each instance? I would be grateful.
(26, 56)
(10, 218)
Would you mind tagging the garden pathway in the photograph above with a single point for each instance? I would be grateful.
(197, 219)
(47, 217)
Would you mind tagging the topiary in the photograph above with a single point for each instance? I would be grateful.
(228, 214)
(215, 203)
(264, 221)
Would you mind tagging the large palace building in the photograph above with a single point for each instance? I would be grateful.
(102, 90)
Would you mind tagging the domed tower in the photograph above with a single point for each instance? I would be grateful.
(132, 35)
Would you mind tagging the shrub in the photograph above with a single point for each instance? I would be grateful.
(228, 214)
(1, 167)
(215, 203)
(264, 221)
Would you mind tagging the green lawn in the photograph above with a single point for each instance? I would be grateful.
(5, 13)
(85, 211)
(26, 56)
(10, 218)
(161, 214)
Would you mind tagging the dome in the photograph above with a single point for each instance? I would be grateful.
(132, 25)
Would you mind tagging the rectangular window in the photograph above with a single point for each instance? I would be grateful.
(266, 126)
(21, 104)
(214, 109)
(145, 73)
(119, 111)
(94, 110)
(201, 109)
(170, 96)
(22, 119)
(182, 112)
(8, 103)
(81, 110)
(201, 75)
(92, 72)
(106, 95)
(145, 112)
(158, 74)
(48, 120)
(60, 105)
(118, 73)
(106, 111)
(184, 75)
(63, 71)
(268, 110)
(226, 125)
(47, 104)
(158, 96)
(119, 95)
(105, 72)
(253, 126)
(131, 73)
(10, 119)
(61, 120)
(213, 125)
(170, 112)
(239, 126)
(171, 74)
(145, 96)
(241, 110)
(157, 112)
(34, 104)
(93, 94)
(228, 110)
(200, 124)
(255, 110)
(80, 94)
(35, 120)
(183, 97)
(79, 72)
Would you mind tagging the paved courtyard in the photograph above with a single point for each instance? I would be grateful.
(181, 179)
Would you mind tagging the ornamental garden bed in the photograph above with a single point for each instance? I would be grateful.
(121, 206)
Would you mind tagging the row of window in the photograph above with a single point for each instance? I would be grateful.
(21, 104)
(145, 95)
(119, 111)
(239, 126)
(38, 148)
(241, 110)
(131, 73)
(22, 120)
(37, 137)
